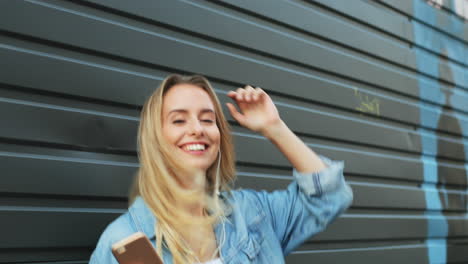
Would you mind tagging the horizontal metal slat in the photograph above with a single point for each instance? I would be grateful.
(77, 228)
(382, 255)
(42, 123)
(46, 255)
(369, 14)
(408, 8)
(307, 18)
(79, 78)
(385, 227)
(38, 174)
(36, 229)
(146, 40)
(394, 24)
(243, 67)
(71, 76)
(95, 131)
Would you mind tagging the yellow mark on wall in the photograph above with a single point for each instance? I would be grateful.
(367, 104)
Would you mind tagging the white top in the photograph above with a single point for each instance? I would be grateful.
(214, 261)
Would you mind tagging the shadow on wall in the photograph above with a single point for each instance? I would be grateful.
(455, 201)
(439, 202)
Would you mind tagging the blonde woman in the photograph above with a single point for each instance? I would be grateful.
(184, 203)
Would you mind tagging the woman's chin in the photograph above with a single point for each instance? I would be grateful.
(197, 167)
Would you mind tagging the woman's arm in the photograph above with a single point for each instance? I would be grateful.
(318, 194)
(259, 114)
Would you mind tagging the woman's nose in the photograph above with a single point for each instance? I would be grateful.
(196, 128)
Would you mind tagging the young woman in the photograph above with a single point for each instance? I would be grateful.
(184, 202)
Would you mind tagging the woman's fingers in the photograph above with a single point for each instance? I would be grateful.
(248, 94)
(232, 94)
(258, 93)
(240, 94)
(236, 114)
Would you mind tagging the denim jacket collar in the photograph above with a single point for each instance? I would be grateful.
(233, 233)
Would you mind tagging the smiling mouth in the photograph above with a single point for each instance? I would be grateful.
(195, 148)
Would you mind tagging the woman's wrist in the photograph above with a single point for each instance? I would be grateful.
(274, 130)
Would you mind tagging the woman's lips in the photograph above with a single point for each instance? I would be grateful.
(198, 148)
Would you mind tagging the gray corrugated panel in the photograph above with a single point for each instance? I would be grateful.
(193, 53)
(227, 20)
(119, 171)
(148, 83)
(394, 226)
(343, 38)
(99, 126)
(49, 255)
(62, 74)
(365, 195)
(359, 162)
(399, 253)
(342, 74)
(55, 32)
(66, 122)
(49, 123)
(358, 14)
(53, 227)
(86, 219)
(401, 139)
(403, 6)
(65, 262)
(55, 113)
(334, 65)
(305, 19)
(62, 200)
(363, 132)
(260, 33)
(49, 174)
(110, 146)
(311, 19)
(362, 99)
(59, 233)
(266, 159)
(401, 87)
(113, 83)
(316, 22)
(407, 7)
(424, 45)
(370, 14)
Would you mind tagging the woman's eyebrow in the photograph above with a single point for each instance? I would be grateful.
(184, 111)
(207, 110)
(178, 111)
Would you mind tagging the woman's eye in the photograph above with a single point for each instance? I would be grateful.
(178, 121)
(207, 121)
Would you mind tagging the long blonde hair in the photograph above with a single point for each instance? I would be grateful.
(155, 179)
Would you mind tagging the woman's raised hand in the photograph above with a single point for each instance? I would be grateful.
(257, 111)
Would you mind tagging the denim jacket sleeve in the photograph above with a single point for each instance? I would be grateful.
(120, 228)
(308, 205)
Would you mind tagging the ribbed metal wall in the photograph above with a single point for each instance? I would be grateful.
(381, 84)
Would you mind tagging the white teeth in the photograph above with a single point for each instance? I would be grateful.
(195, 147)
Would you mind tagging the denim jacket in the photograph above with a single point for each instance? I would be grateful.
(262, 227)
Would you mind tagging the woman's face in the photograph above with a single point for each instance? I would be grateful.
(189, 124)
